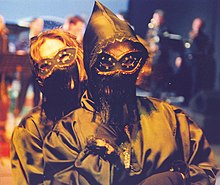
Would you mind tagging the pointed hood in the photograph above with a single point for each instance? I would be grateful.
(104, 28)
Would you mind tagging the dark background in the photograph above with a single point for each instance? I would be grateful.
(179, 15)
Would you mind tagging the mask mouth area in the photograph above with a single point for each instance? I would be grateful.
(115, 88)
(108, 91)
(62, 81)
(71, 84)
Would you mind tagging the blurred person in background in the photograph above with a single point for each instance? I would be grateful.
(57, 64)
(3, 36)
(4, 107)
(22, 48)
(158, 47)
(76, 26)
(4, 98)
(199, 52)
(167, 51)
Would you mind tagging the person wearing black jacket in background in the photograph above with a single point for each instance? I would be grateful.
(199, 55)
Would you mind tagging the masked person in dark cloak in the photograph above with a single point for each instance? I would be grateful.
(116, 137)
(57, 62)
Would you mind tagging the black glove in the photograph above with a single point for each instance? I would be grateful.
(165, 178)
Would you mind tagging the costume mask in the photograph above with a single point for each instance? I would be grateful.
(58, 75)
(113, 58)
(127, 64)
(63, 58)
(113, 80)
(118, 62)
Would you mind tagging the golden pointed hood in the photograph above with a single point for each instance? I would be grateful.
(104, 28)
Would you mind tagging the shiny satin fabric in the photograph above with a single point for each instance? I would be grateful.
(26, 147)
(165, 133)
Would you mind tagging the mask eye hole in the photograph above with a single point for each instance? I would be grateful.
(106, 63)
(43, 66)
(131, 60)
(64, 58)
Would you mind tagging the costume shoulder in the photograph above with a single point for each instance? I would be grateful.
(164, 112)
(26, 149)
(33, 114)
(157, 104)
(35, 122)
(153, 104)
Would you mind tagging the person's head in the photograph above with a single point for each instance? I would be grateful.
(113, 58)
(57, 63)
(36, 26)
(197, 24)
(115, 72)
(76, 26)
(158, 17)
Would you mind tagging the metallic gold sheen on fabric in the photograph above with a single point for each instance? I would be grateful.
(163, 132)
(26, 148)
